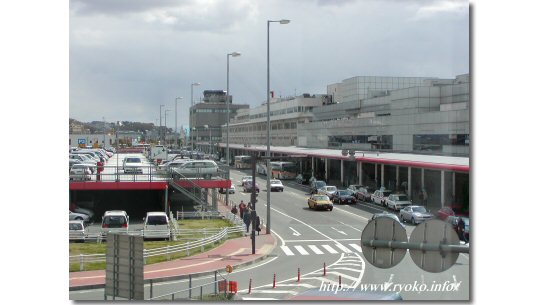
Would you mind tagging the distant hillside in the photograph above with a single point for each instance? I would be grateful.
(98, 126)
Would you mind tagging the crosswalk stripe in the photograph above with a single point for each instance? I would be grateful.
(315, 249)
(287, 250)
(302, 250)
(346, 250)
(330, 249)
(357, 247)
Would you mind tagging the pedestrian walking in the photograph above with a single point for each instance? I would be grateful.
(258, 224)
(246, 218)
(234, 210)
(242, 207)
(249, 206)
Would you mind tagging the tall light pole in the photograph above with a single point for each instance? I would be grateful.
(177, 135)
(268, 154)
(234, 54)
(160, 121)
(165, 125)
(192, 109)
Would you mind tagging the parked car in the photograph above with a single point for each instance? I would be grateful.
(364, 194)
(132, 165)
(78, 216)
(303, 178)
(245, 179)
(247, 187)
(397, 201)
(204, 168)
(316, 185)
(385, 214)
(344, 196)
(380, 196)
(115, 221)
(453, 220)
(444, 213)
(231, 190)
(77, 231)
(354, 188)
(80, 172)
(276, 185)
(415, 214)
(328, 190)
(317, 202)
(83, 211)
(156, 225)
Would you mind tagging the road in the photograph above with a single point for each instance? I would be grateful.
(307, 240)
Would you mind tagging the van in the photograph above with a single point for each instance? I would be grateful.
(115, 222)
(204, 168)
(156, 225)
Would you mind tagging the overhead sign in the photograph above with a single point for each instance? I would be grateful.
(81, 141)
(125, 266)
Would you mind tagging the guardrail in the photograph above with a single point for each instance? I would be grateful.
(217, 236)
(220, 294)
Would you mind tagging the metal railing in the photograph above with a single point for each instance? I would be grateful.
(213, 291)
(216, 235)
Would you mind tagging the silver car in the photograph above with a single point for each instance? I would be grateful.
(415, 214)
(78, 216)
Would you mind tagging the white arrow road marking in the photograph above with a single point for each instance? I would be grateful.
(341, 232)
(295, 233)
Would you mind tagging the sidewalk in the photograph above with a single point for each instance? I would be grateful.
(235, 252)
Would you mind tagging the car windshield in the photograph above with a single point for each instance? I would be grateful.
(114, 221)
(133, 160)
(401, 198)
(419, 210)
(321, 198)
(345, 193)
(276, 182)
(386, 193)
(331, 188)
(75, 226)
(157, 220)
(320, 184)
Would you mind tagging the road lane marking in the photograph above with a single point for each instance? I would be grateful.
(315, 249)
(341, 232)
(287, 250)
(302, 250)
(330, 249)
(356, 247)
(295, 233)
(340, 209)
(346, 250)
(345, 224)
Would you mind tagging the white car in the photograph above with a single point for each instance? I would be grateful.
(156, 225)
(245, 179)
(328, 190)
(78, 216)
(132, 165)
(77, 232)
(397, 201)
(204, 168)
(231, 190)
(115, 221)
(80, 172)
(276, 185)
(380, 196)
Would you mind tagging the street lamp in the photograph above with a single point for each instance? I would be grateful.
(165, 125)
(268, 227)
(177, 135)
(160, 121)
(234, 54)
(192, 125)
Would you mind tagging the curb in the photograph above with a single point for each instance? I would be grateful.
(180, 277)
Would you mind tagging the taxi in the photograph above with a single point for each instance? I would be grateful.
(319, 201)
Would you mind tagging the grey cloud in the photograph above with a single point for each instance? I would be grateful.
(115, 7)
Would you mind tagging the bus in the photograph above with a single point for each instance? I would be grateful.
(284, 170)
(242, 161)
(261, 168)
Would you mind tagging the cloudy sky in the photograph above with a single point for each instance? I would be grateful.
(126, 57)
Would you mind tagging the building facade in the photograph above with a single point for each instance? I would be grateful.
(250, 125)
(432, 117)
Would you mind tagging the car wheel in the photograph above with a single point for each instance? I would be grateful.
(330, 209)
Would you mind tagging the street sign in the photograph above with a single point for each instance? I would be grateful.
(124, 266)
(229, 268)
(434, 232)
(81, 141)
(383, 228)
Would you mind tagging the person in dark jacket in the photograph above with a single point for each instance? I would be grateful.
(234, 210)
(461, 230)
(258, 224)
(246, 218)
(242, 207)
